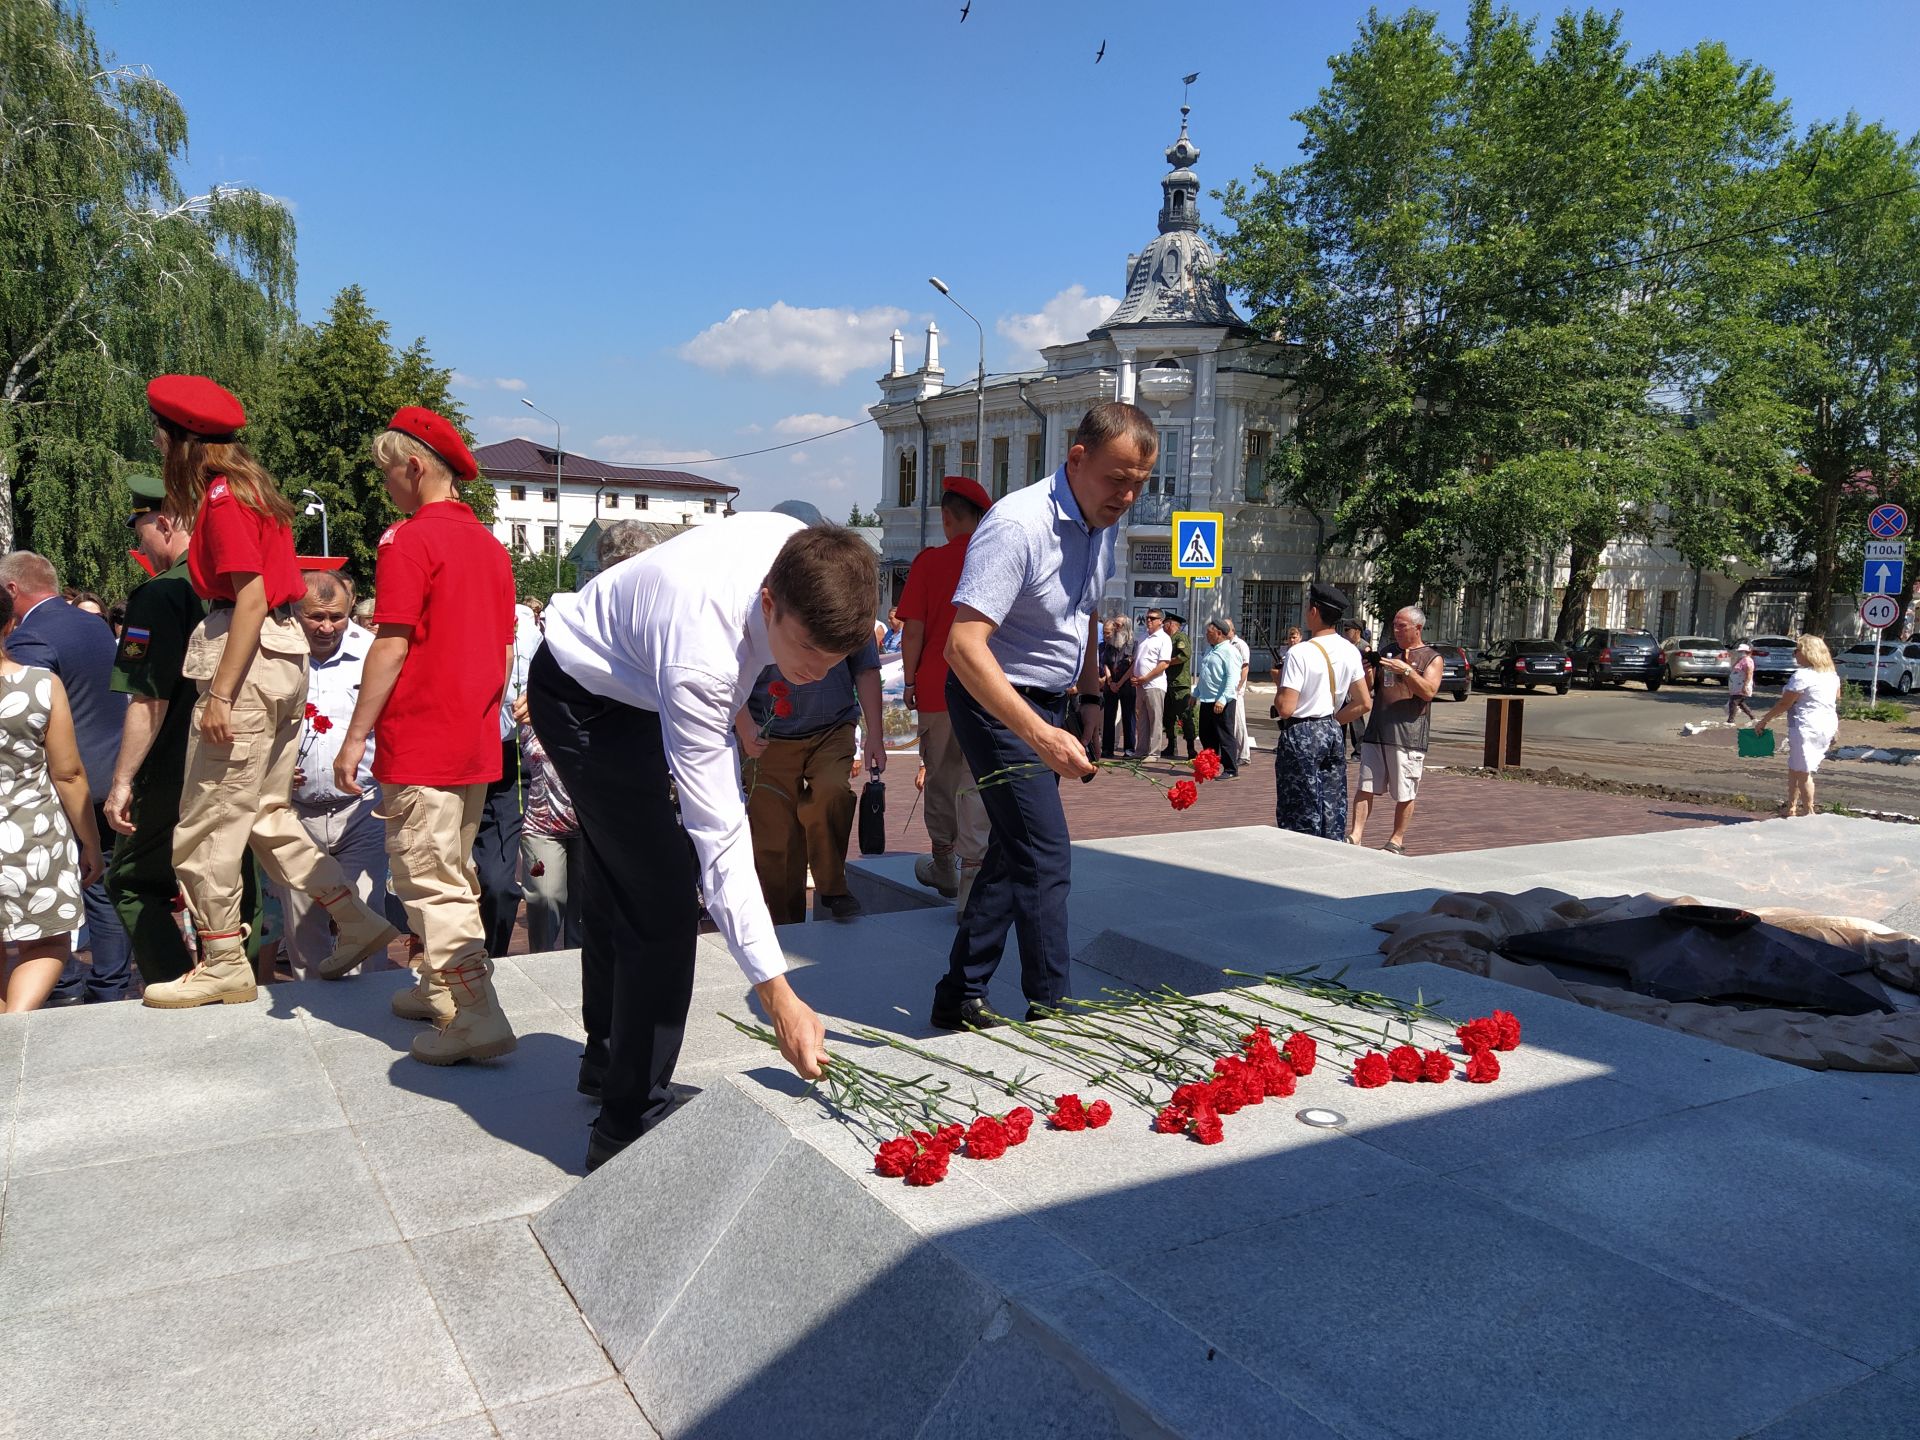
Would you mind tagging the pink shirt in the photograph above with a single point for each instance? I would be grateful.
(1741, 676)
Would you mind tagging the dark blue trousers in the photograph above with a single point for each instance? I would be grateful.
(1022, 885)
(496, 852)
(107, 943)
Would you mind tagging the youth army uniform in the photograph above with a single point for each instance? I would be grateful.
(1310, 760)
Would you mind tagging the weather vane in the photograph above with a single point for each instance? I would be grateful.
(1185, 83)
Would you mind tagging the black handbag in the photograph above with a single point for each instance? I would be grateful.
(873, 817)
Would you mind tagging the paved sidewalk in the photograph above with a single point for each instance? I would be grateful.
(1456, 812)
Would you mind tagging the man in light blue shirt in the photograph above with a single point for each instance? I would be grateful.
(1025, 644)
(1216, 685)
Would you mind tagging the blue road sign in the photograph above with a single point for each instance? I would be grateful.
(1196, 543)
(1883, 577)
(1887, 522)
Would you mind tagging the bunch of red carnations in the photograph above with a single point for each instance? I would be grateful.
(1478, 1037)
(921, 1157)
(1181, 794)
(1260, 1070)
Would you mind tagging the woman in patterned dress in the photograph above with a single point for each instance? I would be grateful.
(43, 806)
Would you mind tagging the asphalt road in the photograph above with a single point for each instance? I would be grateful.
(1632, 735)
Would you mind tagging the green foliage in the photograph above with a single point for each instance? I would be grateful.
(858, 517)
(1853, 705)
(533, 576)
(1489, 371)
(109, 274)
(338, 385)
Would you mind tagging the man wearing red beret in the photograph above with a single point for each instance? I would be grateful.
(430, 696)
(956, 817)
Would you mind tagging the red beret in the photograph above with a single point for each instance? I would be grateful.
(967, 489)
(439, 436)
(196, 405)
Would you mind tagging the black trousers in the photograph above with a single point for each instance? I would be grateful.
(640, 919)
(1216, 733)
(1177, 711)
(1116, 707)
(496, 852)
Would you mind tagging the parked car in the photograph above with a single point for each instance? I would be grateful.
(1899, 664)
(1695, 657)
(1508, 664)
(1457, 677)
(1617, 655)
(1772, 658)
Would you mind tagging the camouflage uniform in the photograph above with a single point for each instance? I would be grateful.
(1178, 706)
(1310, 778)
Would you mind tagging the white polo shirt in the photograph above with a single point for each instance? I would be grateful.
(333, 689)
(1149, 653)
(1305, 672)
(679, 631)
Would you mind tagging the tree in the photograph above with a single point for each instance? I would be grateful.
(1494, 371)
(533, 576)
(109, 274)
(338, 386)
(856, 517)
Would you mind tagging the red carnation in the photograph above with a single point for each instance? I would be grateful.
(782, 709)
(1068, 1113)
(321, 724)
(537, 869)
(930, 1168)
(1302, 1053)
(1436, 1066)
(986, 1139)
(312, 710)
(1193, 1096)
(1276, 1078)
(1206, 765)
(778, 689)
(1508, 1024)
(896, 1157)
(1207, 1128)
(1099, 1113)
(1478, 1035)
(1223, 1095)
(1403, 1062)
(1371, 1070)
(1172, 1120)
(1182, 793)
(948, 1137)
(1019, 1120)
(1483, 1068)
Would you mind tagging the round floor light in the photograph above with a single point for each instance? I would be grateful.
(1321, 1119)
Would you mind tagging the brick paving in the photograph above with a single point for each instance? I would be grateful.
(1456, 812)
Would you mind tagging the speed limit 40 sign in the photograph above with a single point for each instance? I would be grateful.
(1880, 611)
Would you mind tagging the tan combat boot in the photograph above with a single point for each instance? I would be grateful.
(478, 1031)
(224, 976)
(360, 934)
(939, 872)
(428, 999)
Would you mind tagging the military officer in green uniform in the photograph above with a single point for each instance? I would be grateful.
(1179, 701)
(144, 803)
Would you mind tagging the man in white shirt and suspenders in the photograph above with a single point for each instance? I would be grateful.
(1323, 687)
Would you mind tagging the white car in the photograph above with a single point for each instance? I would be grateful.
(1899, 664)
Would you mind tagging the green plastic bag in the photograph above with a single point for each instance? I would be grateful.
(1756, 743)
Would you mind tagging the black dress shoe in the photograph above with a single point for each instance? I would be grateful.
(600, 1149)
(841, 907)
(967, 1015)
(590, 1081)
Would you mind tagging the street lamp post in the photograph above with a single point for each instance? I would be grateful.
(319, 507)
(559, 474)
(979, 387)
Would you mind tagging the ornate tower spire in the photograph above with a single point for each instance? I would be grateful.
(1180, 210)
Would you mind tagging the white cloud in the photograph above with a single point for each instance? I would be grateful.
(1067, 316)
(644, 450)
(827, 344)
(464, 381)
(810, 423)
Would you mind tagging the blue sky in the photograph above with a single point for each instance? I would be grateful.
(569, 200)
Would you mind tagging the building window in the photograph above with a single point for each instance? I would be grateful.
(640, 502)
(550, 494)
(520, 539)
(1669, 612)
(713, 507)
(1599, 603)
(612, 501)
(909, 475)
(551, 538)
(1002, 465)
(1166, 465)
(938, 471)
(970, 459)
(516, 492)
(1267, 608)
(1636, 609)
(1036, 458)
(1259, 451)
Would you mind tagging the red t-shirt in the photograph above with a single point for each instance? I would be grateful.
(229, 539)
(928, 598)
(443, 573)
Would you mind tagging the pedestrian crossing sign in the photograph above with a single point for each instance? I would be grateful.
(1196, 544)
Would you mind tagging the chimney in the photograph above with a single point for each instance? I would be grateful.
(933, 346)
(898, 365)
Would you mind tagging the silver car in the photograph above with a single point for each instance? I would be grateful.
(1695, 657)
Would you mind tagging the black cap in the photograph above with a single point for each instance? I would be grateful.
(1173, 615)
(1330, 602)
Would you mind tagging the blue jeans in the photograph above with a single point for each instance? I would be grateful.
(106, 941)
(1023, 882)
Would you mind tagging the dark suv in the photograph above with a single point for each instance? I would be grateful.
(1616, 655)
(1453, 679)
